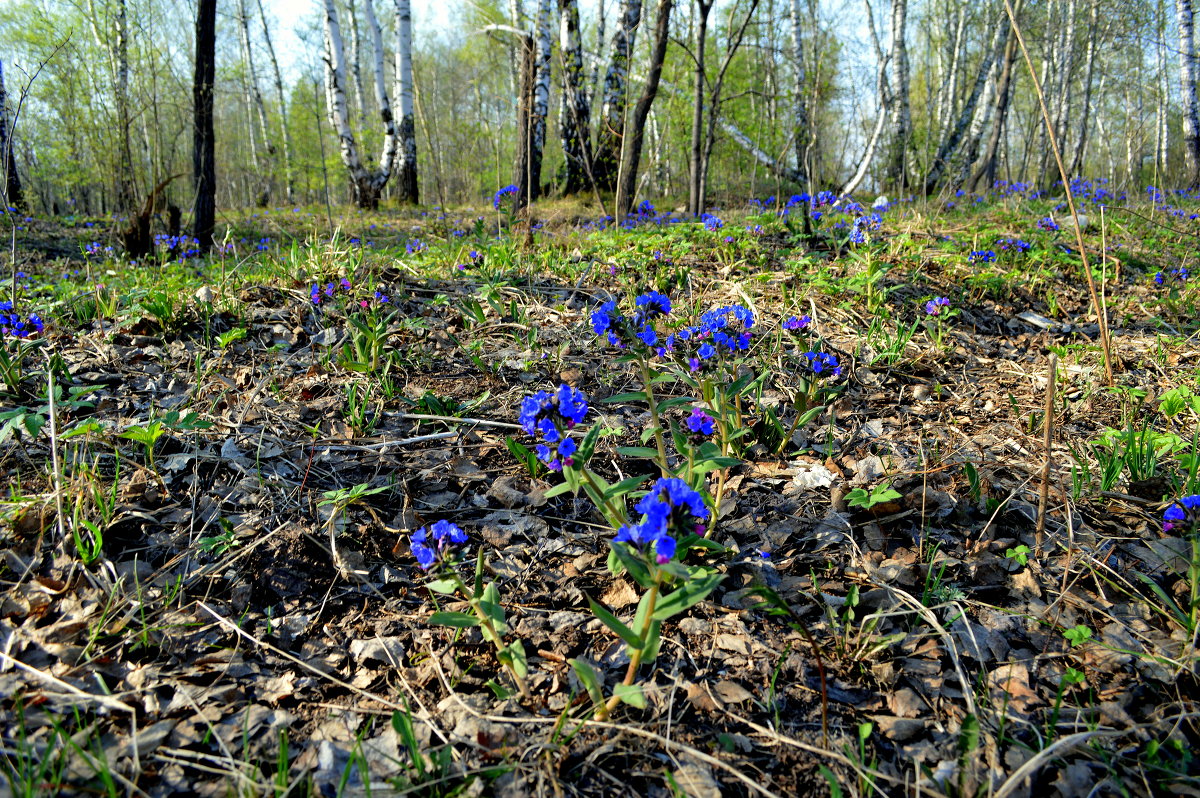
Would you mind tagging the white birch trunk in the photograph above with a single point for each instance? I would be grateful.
(575, 116)
(289, 174)
(543, 40)
(901, 113)
(360, 94)
(388, 155)
(612, 108)
(406, 167)
(803, 135)
(365, 184)
(1187, 91)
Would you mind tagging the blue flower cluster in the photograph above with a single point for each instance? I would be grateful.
(981, 256)
(1048, 223)
(501, 194)
(822, 364)
(413, 246)
(549, 415)
(671, 508)
(934, 306)
(1183, 515)
(711, 223)
(431, 543)
(1013, 244)
(798, 326)
(699, 423)
(13, 324)
(723, 331)
(1181, 275)
(621, 330)
(863, 226)
(315, 293)
(824, 198)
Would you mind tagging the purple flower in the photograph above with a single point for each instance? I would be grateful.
(1184, 515)
(934, 306)
(699, 422)
(430, 543)
(797, 324)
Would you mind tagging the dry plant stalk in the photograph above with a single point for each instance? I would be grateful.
(1101, 316)
(1051, 376)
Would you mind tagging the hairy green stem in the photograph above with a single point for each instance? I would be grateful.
(654, 417)
(489, 631)
(635, 656)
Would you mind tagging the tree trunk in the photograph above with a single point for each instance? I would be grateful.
(695, 161)
(289, 172)
(714, 102)
(612, 110)
(1089, 76)
(886, 100)
(10, 181)
(1187, 90)
(522, 179)
(126, 198)
(950, 144)
(800, 112)
(574, 122)
(406, 166)
(204, 169)
(365, 185)
(987, 169)
(901, 114)
(388, 155)
(360, 94)
(543, 41)
(255, 99)
(637, 122)
(1163, 98)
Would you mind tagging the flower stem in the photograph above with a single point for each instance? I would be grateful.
(635, 656)
(658, 429)
(489, 631)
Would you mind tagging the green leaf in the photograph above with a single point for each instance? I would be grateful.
(477, 587)
(589, 679)
(631, 694)
(558, 490)
(443, 586)
(637, 451)
(648, 433)
(513, 655)
(634, 564)
(625, 486)
(490, 604)
(691, 592)
(614, 623)
(458, 620)
(632, 396)
(588, 447)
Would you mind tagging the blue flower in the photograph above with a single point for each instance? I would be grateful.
(652, 304)
(699, 422)
(1183, 514)
(796, 325)
(547, 416)
(823, 364)
(934, 306)
(429, 543)
(501, 194)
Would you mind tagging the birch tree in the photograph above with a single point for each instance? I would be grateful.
(627, 186)
(574, 122)
(365, 184)
(612, 109)
(900, 113)
(285, 129)
(10, 181)
(406, 153)
(1187, 91)
(254, 99)
(543, 40)
(695, 159)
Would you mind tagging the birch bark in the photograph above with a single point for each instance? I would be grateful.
(612, 109)
(406, 167)
(1187, 90)
(575, 117)
(10, 181)
(285, 129)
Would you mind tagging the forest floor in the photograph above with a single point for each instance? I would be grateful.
(208, 586)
